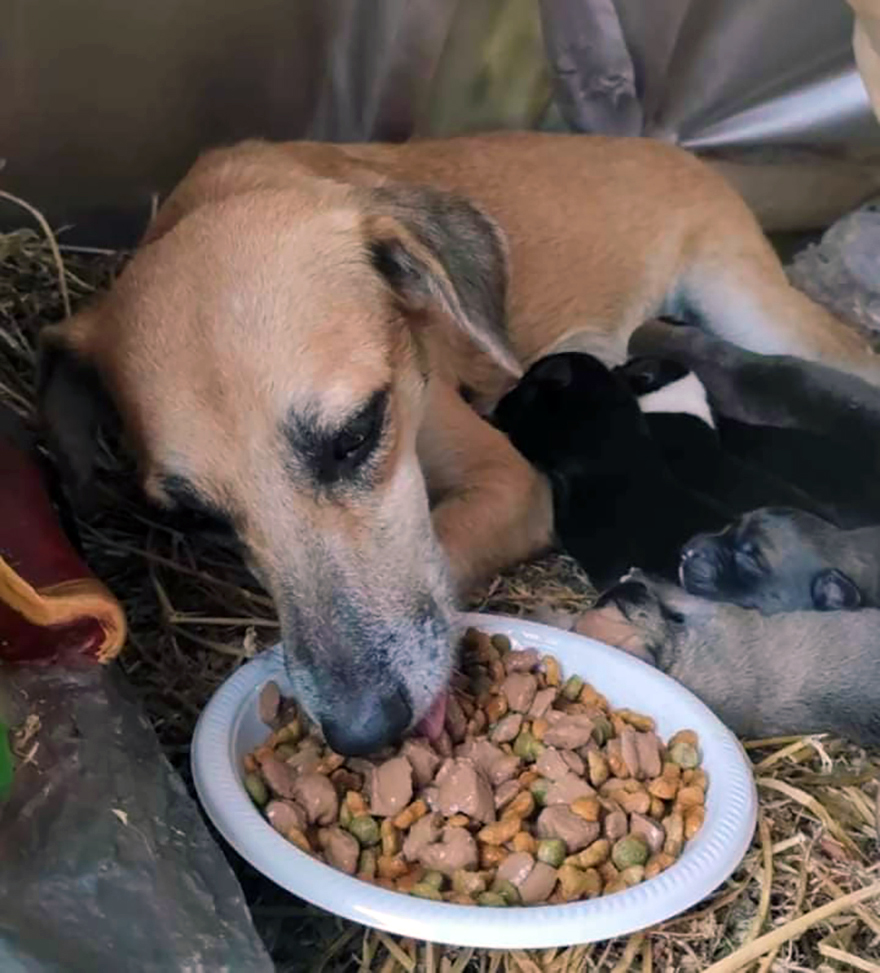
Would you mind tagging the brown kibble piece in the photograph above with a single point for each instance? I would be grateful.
(663, 788)
(409, 815)
(551, 670)
(523, 841)
(458, 821)
(657, 809)
(590, 696)
(464, 789)
(507, 729)
(587, 808)
(567, 790)
(693, 820)
(652, 832)
(340, 848)
(629, 751)
(551, 764)
(496, 708)
(522, 806)
(522, 660)
(684, 736)
(648, 747)
(423, 760)
(597, 767)
(506, 793)
(280, 778)
(615, 825)
(424, 832)
(317, 796)
(391, 868)
(658, 863)
(544, 699)
(286, 816)
(634, 803)
(593, 855)
(673, 825)
(643, 723)
(569, 732)
(455, 720)
(561, 822)
(520, 689)
(500, 832)
(456, 849)
(688, 797)
(390, 838)
(616, 764)
(492, 855)
(390, 787)
(269, 703)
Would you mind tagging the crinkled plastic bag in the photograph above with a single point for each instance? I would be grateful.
(105, 861)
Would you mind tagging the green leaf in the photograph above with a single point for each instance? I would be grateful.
(6, 766)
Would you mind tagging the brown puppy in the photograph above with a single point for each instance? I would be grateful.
(294, 344)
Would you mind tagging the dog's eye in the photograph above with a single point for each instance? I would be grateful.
(354, 442)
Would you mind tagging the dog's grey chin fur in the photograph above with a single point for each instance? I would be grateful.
(412, 647)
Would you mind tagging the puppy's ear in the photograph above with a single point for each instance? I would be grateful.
(72, 402)
(832, 590)
(438, 251)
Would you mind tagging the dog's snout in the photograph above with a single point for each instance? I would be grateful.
(628, 591)
(701, 564)
(368, 722)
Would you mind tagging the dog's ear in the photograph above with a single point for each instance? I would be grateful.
(73, 403)
(438, 251)
(832, 590)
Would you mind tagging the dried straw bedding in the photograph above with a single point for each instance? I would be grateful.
(806, 896)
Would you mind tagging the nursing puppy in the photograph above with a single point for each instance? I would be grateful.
(615, 501)
(764, 676)
(693, 440)
(811, 428)
(780, 560)
(308, 336)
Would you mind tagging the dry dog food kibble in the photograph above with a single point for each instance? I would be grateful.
(536, 792)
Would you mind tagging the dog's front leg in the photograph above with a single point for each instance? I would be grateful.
(492, 508)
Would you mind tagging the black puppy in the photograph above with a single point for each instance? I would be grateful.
(693, 441)
(807, 425)
(616, 502)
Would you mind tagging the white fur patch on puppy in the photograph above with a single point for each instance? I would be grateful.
(686, 395)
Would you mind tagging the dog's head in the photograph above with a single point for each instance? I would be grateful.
(268, 353)
(770, 559)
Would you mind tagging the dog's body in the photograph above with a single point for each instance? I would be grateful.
(764, 676)
(779, 560)
(294, 342)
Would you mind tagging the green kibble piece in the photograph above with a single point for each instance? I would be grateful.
(468, 883)
(490, 899)
(366, 830)
(284, 751)
(527, 747)
(552, 851)
(603, 731)
(572, 687)
(254, 785)
(629, 851)
(685, 755)
(346, 815)
(434, 879)
(508, 891)
(539, 790)
(422, 890)
(502, 644)
(289, 733)
(367, 863)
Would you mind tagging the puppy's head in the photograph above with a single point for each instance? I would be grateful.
(569, 409)
(268, 355)
(644, 616)
(770, 560)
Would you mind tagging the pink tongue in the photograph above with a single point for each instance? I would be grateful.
(431, 724)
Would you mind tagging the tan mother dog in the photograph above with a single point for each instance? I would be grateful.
(306, 338)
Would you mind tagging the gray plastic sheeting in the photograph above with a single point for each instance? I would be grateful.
(106, 862)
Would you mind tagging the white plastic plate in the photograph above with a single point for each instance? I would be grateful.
(229, 727)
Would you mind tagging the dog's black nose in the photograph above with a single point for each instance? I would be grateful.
(367, 723)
